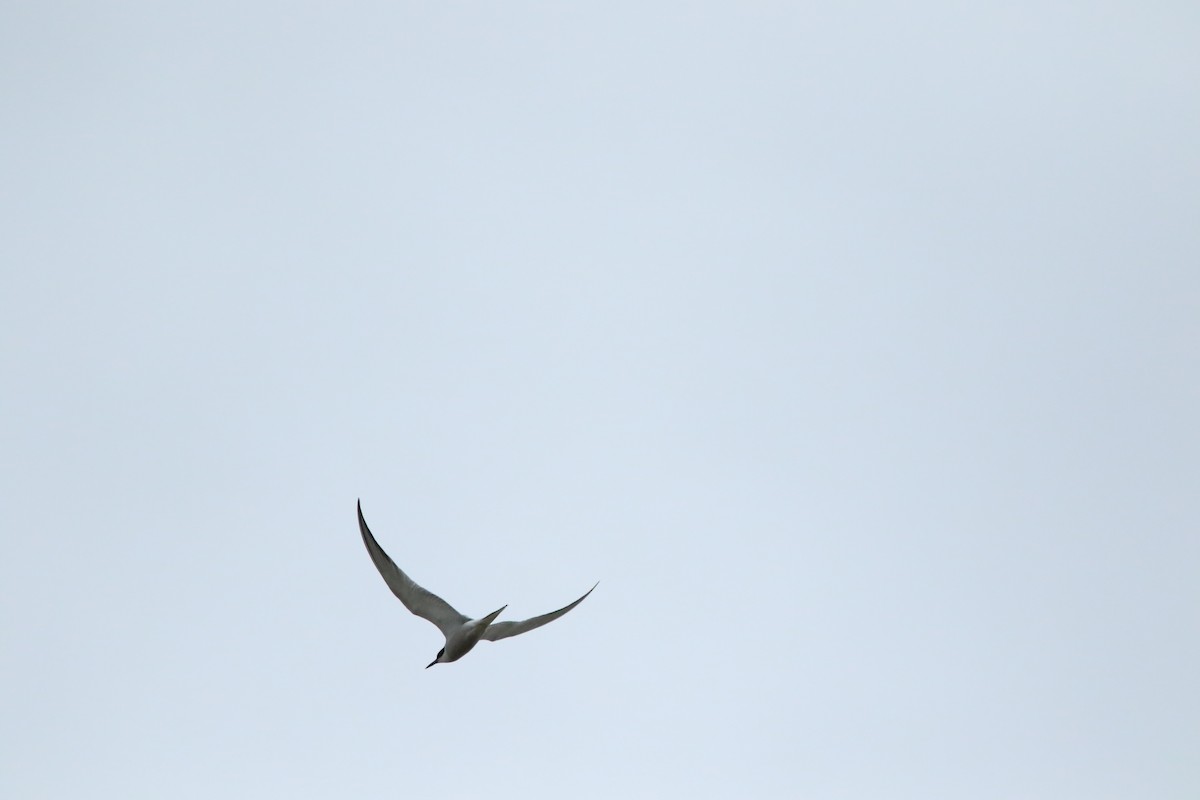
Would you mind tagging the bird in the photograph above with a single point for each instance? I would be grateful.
(462, 633)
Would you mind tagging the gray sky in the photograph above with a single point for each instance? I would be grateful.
(854, 348)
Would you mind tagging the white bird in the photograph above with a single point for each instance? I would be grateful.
(461, 632)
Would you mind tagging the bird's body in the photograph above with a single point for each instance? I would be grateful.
(460, 641)
(462, 633)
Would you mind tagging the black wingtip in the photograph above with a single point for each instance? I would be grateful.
(362, 523)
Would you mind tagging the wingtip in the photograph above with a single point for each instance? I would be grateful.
(362, 523)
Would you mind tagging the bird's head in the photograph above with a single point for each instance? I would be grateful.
(441, 653)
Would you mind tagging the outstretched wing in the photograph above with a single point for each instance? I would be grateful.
(503, 630)
(416, 598)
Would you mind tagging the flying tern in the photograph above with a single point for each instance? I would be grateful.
(461, 632)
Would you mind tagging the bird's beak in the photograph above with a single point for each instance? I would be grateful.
(430, 664)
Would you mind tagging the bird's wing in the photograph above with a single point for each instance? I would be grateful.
(416, 598)
(503, 630)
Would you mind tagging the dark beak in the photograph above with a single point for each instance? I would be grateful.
(427, 666)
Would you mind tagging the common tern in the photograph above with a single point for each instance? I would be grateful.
(461, 632)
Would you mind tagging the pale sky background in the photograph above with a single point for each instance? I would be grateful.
(854, 348)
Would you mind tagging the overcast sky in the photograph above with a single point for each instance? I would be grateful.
(853, 347)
